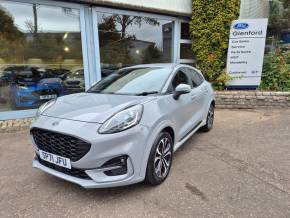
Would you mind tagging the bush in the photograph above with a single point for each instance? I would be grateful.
(209, 28)
(276, 72)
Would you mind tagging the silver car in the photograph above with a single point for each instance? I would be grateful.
(124, 129)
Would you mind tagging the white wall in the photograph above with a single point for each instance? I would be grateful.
(254, 9)
(178, 7)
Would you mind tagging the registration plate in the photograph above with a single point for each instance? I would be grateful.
(55, 159)
(47, 97)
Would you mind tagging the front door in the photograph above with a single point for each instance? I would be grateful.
(185, 107)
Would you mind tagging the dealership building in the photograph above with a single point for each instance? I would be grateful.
(52, 48)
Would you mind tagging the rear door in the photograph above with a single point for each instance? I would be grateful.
(199, 93)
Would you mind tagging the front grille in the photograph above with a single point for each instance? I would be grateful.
(60, 144)
(71, 172)
(73, 82)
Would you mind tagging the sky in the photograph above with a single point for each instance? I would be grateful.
(50, 19)
(53, 19)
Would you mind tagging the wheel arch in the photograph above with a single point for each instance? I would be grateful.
(163, 126)
(170, 130)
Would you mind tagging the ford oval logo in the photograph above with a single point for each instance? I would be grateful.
(241, 26)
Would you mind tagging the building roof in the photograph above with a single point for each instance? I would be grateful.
(170, 7)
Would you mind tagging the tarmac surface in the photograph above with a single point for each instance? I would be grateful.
(239, 169)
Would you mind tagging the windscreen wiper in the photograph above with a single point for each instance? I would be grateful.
(147, 93)
(94, 90)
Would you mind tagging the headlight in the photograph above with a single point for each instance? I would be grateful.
(23, 87)
(123, 120)
(45, 106)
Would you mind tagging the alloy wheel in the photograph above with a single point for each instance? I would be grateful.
(210, 116)
(162, 160)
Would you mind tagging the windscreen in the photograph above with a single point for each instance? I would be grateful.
(133, 81)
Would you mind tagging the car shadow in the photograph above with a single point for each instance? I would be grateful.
(190, 144)
(103, 194)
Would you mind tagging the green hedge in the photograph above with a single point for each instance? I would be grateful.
(209, 29)
(276, 71)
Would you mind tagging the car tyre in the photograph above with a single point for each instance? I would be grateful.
(160, 159)
(209, 120)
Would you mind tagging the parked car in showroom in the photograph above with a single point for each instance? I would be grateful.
(125, 128)
(56, 73)
(4, 88)
(28, 87)
(74, 81)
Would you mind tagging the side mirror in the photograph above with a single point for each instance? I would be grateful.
(181, 89)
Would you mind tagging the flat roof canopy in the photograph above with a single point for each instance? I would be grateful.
(171, 7)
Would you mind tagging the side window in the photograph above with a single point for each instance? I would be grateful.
(196, 78)
(180, 78)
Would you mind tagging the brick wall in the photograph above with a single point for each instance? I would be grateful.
(252, 99)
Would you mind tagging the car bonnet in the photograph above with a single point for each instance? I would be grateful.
(92, 107)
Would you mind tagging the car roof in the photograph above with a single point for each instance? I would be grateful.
(161, 65)
(170, 66)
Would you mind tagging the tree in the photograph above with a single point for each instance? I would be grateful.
(151, 55)
(113, 48)
(8, 30)
(276, 71)
(11, 38)
(115, 42)
(209, 29)
(279, 18)
(286, 3)
(125, 21)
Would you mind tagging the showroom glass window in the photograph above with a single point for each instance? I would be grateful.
(129, 40)
(186, 54)
(40, 54)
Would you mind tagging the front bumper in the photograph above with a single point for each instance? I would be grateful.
(131, 143)
(85, 183)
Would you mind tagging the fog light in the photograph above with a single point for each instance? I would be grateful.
(116, 166)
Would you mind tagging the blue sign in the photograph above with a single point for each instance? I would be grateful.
(241, 26)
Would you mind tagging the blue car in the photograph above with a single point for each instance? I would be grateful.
(30, 87)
